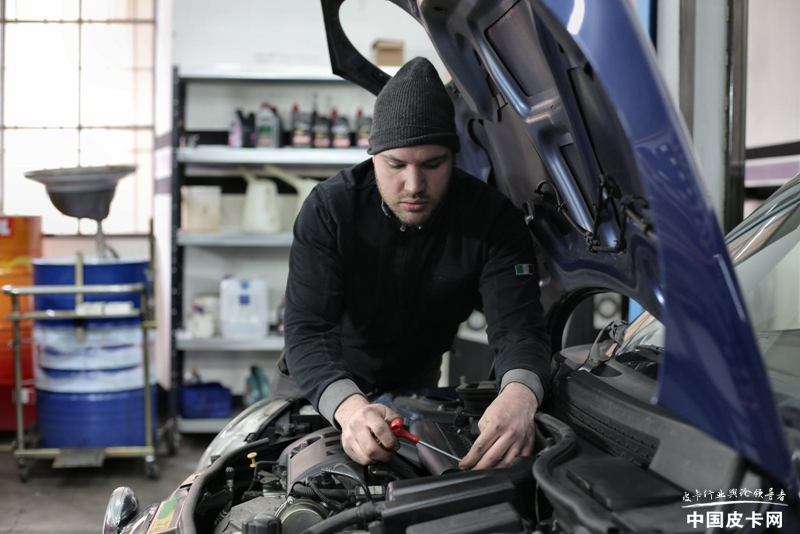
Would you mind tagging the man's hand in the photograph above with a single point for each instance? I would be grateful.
(507, 429)
(361, 423)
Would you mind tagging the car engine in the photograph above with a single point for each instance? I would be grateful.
(309, 484)
(292, 476)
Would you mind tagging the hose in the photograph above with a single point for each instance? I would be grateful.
(367, 494)
(308, 493)
(255, 472)
(361, 514)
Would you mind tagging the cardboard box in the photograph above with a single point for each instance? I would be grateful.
(388, 53)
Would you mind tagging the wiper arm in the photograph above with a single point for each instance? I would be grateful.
(615, 330)
(654, 351)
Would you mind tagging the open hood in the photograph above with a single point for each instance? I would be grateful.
(561, 106)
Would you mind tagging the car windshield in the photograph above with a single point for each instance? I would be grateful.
(766, 259)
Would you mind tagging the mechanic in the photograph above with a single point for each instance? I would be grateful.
(388, 258)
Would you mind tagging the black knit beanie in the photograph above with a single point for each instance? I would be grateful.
(412, 109)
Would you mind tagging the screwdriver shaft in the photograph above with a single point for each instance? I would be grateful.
(440, 451)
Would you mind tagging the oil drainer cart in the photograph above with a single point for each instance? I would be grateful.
(81, 457)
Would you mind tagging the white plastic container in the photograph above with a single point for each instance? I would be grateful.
(202, 206)
(268, 126)
(243, 308)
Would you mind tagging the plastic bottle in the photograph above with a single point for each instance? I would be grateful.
(236, 131)
(268, 126)
(322, 132)
(363, 129)
(192, 376)
(301, 128)
(256, 386)
(243, 308)
(340, 131)
(249, 133)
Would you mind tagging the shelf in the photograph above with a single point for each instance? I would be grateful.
(247, 73)
(220, 154)
(234, 239)
(218, 344)
(203, 426)
(231, 72)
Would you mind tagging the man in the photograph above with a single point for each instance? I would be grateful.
(389, 257)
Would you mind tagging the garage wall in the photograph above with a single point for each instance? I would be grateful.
(258, 34)
(773, 73)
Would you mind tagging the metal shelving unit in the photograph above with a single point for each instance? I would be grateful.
(214, 344)
(224, 155)
(233, 239)
(217, 164)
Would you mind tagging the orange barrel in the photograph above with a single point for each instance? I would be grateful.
(20, 242)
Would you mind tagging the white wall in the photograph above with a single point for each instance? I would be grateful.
(271, 34)
(274, 32)
(773, 73)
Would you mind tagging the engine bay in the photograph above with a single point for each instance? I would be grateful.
(294, 477)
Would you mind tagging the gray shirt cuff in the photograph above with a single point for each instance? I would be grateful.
(334, 395)
(526, 378)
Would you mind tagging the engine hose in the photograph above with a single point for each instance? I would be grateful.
(360, 514)
(307, 493)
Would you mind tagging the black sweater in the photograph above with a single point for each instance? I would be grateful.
(370, 302)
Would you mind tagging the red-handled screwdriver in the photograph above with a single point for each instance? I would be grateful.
(400, 431)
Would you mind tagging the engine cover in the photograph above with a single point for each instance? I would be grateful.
(312, 453)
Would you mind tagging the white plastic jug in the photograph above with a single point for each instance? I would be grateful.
(243, 308)
(302, 185)
(261, 211)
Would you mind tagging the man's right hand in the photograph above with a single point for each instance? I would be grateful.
(361, 423)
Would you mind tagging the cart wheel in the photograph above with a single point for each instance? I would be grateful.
(23, 468)
(151, 468)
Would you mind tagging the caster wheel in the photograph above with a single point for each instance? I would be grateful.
(151, 469)
(23, 468)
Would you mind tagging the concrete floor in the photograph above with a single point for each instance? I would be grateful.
(73, 501)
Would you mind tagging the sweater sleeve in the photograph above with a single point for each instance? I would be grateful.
(314, 305)
(509, 288)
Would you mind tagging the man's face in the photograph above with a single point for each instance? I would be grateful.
(413, 180)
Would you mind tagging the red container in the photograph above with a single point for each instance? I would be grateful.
(20, 242)
(7, 356)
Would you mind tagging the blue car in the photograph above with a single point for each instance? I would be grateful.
(686, 420)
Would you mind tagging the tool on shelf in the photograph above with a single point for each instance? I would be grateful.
(399, 430)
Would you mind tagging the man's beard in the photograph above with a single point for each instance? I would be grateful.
(411, 219)
(415, 219)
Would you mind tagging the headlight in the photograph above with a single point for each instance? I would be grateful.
(122, 507)
(235, 432)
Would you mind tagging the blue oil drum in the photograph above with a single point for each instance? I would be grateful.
(89, 392)
(112, 419)
(96, 271)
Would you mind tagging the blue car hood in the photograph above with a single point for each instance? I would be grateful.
(560, 104)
